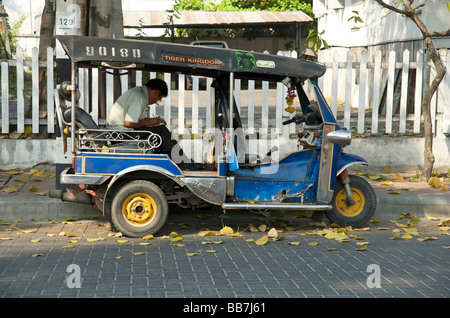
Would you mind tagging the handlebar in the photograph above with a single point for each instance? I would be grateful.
(298, 119)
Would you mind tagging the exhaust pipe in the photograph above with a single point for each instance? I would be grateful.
(64, 195)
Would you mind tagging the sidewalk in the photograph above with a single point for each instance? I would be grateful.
(28, 198)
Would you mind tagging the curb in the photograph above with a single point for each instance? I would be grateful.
(418, 199)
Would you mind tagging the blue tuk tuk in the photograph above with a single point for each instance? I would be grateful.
(128, 180)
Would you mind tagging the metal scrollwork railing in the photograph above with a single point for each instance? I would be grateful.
(117, 141)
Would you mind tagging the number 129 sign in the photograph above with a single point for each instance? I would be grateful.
(67, 20)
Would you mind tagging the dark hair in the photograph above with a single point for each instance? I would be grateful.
(158, 84)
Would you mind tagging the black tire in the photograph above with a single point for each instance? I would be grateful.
(359, 213)
(139, 208)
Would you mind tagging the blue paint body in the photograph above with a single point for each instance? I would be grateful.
(266, 182)
(112, 164)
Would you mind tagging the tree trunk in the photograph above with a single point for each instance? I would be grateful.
(4, 31)
(426, 110)
(428, 155)
(106, 21)
(412, 13)
(45, 40)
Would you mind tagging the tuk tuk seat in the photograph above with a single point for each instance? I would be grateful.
(92, 130)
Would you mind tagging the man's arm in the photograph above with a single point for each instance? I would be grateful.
(145, 122)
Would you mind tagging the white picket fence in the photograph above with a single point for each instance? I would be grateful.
(355, 91)
(385, 92)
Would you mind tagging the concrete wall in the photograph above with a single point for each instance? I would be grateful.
(380, 152)
(26, 153)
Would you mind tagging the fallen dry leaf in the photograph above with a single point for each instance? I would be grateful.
(226, 230)
(262, 227)
(272, 233)
(387, 170)
(429, 238)
(10, 190)
(207, 233)
(96, 239)
(262, 240)
(193, 254)
(396, 234)
(435, 182)
(33, 189)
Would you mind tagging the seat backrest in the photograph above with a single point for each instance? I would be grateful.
(82, 118)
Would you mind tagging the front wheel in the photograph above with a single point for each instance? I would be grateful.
(139, 208)
(361, 211)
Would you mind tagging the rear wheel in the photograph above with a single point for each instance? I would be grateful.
(361, 211)
(139, 208)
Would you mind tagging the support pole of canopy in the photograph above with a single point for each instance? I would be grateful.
(231, 99)
(231, 134)
(72, 102)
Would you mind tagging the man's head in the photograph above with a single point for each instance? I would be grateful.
(157, 89)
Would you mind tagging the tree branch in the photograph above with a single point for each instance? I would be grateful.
(392, 8)
(439, 34)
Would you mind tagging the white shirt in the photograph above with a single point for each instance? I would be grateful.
(130, 106)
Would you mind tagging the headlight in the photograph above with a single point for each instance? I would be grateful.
(340, 137)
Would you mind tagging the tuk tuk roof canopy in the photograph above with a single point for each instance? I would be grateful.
(198, 60)
(213, 19)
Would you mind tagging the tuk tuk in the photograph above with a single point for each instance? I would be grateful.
(128, 180)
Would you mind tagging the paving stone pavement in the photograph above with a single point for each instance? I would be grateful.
(71, 264)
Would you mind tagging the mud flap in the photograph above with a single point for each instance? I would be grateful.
(318, 216)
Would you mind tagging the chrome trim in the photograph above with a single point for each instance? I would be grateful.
(147, 168)
(350, 165)
(230, 186)
(340, 137)
(91, 179)
(324, 194)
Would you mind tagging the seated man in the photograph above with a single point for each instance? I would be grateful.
(129, 112)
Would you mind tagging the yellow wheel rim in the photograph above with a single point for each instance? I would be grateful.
(139, 209)
(352, 210)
